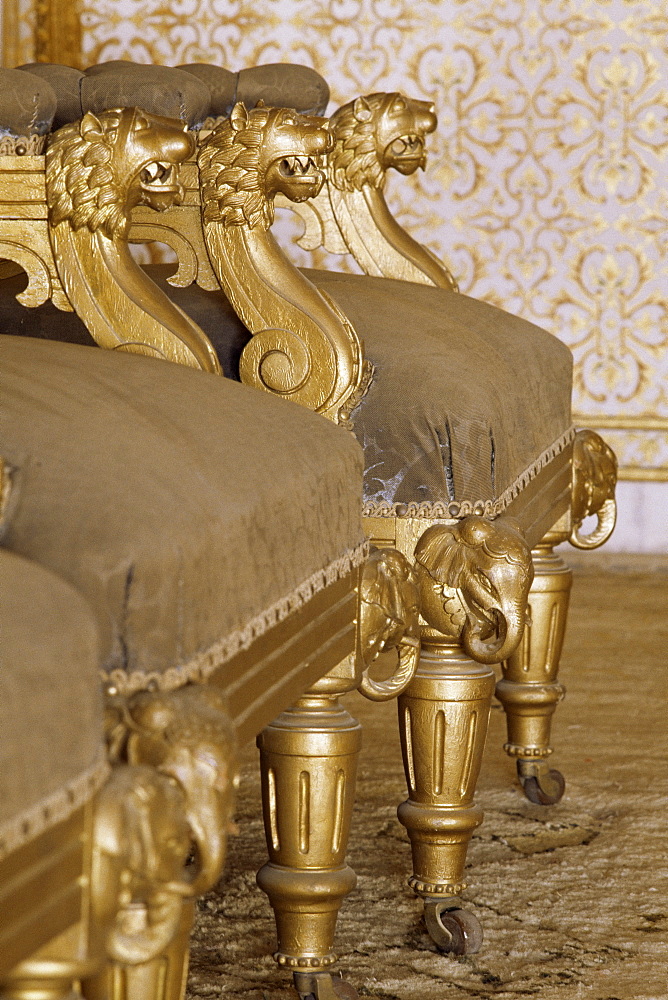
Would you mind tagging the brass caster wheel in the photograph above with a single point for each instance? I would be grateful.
(323, 986)
(542, 785)
(457, 932)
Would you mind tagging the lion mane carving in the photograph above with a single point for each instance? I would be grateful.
(252, 156)
(374, 133)
(98, 168)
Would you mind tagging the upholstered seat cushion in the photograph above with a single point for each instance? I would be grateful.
(191, 511)
(465, 397)
(51, 743)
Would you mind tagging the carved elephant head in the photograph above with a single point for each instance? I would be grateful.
(141, 842)
(389, 617)
(187, 735)
(474, 580)
(593, 488)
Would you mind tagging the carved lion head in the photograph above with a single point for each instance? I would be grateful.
(99, 168)
(252, 155)
(376, 132)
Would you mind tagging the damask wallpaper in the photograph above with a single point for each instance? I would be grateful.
(545, 188)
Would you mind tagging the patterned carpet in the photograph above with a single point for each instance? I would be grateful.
(573, 898)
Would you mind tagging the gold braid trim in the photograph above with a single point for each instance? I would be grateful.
(22, 145)
(202, 665)
(52, 809)
(464, 508)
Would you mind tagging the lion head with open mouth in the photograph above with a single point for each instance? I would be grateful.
(100, 167)
(374, 133)
(253, 155)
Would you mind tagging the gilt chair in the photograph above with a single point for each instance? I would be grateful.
(463, 411)
(218, 596)
(473, 469)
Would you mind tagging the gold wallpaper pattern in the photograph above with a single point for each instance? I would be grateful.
(545, 188)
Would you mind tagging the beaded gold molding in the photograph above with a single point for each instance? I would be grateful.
(52, 809)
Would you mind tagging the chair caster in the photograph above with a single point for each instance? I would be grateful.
(323, 986)
(542, 785)
(454, 931)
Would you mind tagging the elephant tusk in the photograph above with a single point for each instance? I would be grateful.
(606, 520)
(409, 654)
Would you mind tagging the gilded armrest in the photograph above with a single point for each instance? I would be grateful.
(303, 347)
(64, 219)
(350, 215)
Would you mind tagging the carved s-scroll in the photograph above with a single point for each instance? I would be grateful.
(593, 489)
(474, 578)
(303, 347)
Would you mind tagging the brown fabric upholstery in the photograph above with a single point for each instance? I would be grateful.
(222, 86)
(191, 92)
(183, 506)
(27, 104)
(210, 310)
(66, 83)
(160, 90)
(283, 85)
(465, 396)
(50, 698)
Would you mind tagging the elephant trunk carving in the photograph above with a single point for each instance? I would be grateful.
(474, 580)
(175, 791)
(593, 489)
(389, 618)
(141, 844)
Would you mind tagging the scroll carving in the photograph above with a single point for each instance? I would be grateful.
(97, 169)
(372, 135)
(389, 617)
(593, 489)
(303, 346)
(171, 790)
(474, 579)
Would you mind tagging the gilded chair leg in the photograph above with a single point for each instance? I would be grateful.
(53, 972)
(529, 690)
(309, 763)
(443, 719)
(163, 978)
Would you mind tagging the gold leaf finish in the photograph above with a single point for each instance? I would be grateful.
(303, 347)
(544, 176)
(96, 171)
(372, 135)
(474, 579)
(594, 481)
(389, 617)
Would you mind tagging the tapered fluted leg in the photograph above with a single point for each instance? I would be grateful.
(309, 764)
(529, 690)
(443, 719)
